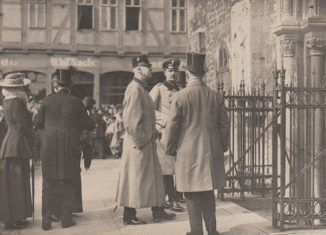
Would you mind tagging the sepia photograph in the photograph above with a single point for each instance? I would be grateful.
(162, 117)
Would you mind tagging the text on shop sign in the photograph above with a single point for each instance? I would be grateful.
(72, 61)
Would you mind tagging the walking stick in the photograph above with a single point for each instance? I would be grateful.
(33, 188)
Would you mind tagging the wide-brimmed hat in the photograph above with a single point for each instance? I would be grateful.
(141, 60)
(14, 80)
(196, 63)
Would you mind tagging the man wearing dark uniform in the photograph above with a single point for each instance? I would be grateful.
(63, 118)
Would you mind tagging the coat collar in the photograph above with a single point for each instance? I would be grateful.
(195, 82)
(140, 82)
(170, 86)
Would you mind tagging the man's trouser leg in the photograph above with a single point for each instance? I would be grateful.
(169, 187)
(193, 203)
(67, 191)
(208, 209)
(129, 213)
(50, 198)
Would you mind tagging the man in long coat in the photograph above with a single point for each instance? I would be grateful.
(197, 134)
(63, 118)
(162, 94)
(140, 182)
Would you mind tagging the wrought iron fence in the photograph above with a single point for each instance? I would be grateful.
(298, 155)
(248, 162)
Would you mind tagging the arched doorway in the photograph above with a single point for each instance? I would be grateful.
(113, 86)
(37, 88)
(83, 84)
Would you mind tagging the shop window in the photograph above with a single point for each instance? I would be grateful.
(85, 14)
(223, 58)
(178, 15)
(133, 15)
(37, 13)
(108, 14)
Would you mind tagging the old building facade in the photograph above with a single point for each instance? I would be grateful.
(97, 37)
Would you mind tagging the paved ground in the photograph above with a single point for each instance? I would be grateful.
(99, 186)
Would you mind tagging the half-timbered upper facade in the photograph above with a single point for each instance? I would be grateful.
(98, 37)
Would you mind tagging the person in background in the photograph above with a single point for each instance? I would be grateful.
(162, 94)
(197, 134)
(117, 137)
(15, 154)
(140, 182)
(98, 134)
(63, 118)
(3, 125)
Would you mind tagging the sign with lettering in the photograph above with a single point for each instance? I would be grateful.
(60, 62)
(8, 62)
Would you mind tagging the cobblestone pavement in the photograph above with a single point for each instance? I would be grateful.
(99, 187)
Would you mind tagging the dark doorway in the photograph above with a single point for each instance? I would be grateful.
(83, 84)
(113, 86)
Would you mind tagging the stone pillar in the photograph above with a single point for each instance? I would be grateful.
(96, 89)
(49, 73)
(313, 7)
(288, 52)
(287, 9)
(316, 46)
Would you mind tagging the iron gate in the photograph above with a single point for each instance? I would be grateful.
(248, 162)
(298, 155)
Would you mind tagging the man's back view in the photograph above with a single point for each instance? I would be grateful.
(197, 134)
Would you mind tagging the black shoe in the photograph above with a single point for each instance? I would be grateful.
(68, 224)
(15, 225)
(134, 221)
(22, 223)
(162, 216)
(46, 224)
(213, 233)
(176, 207)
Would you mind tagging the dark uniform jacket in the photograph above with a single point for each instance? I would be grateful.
(63, 118)
(18, 139)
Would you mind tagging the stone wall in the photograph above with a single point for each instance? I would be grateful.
(244, 29)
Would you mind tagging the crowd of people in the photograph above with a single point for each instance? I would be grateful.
(171, 142)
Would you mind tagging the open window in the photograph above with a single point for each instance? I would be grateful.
(133, 15)
(85, 14)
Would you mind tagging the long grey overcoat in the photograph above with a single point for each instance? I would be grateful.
(162, 95)
(140, 182)
(197, 133)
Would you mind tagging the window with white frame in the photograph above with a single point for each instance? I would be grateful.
(178, 15)
(37, 13)
(133, 15)
(85, 14)
(108, 14)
